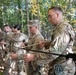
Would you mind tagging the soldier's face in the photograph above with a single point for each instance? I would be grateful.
(7, 28)
(16, 31)
(52, 16)
(33, 29)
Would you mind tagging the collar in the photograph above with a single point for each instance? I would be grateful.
(62, 20)
(32, 36)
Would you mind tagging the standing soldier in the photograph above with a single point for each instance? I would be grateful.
(33, 44)
(18, 41)
(8, 37)
(62, 41)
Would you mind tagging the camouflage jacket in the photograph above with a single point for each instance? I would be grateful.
(63, 38)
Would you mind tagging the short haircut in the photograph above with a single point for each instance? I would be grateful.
(18, 27)
(55, 8)
(6, 26)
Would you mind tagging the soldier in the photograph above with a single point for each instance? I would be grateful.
(62, 41)
(7, 28)
(2, 49)
(8, 36)
(8, 32)
(33, 44)
(16, 56)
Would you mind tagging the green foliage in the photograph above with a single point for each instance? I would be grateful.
(14, 12)
(69, 10)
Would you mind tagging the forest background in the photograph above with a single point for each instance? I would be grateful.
(21, 11)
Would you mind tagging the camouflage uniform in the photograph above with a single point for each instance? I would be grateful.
(62, 42)
(7, 39)
(16, 65)
(2, 50)
(33, 67)
(2, 38)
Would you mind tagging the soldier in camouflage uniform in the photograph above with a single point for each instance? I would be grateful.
(62, 41)
(34, 39)
(8, 32)
(16, 55)
(8, 36)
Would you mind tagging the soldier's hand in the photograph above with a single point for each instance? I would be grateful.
(2, 43)
(14, 56)
(41, 44)
(29, 57)
(22, 45)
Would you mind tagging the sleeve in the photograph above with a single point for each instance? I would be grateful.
(38, 56)
(60, 40)
(71, 32)
(21, 52)
(26, 39)
(72, 38)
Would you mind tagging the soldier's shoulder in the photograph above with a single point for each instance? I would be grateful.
(61, 28)
(64, 26)
(39, 37)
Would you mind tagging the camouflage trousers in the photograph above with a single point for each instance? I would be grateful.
(16, 67)
(60, 67)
